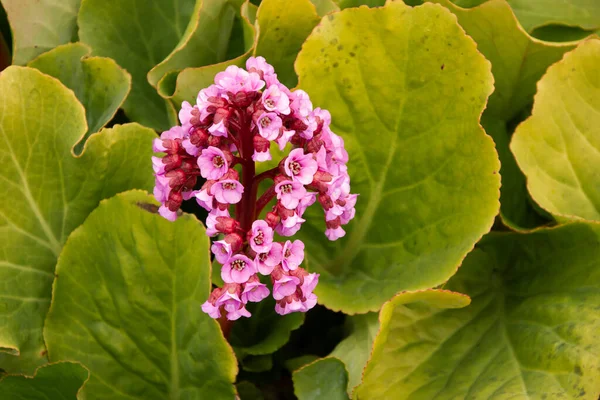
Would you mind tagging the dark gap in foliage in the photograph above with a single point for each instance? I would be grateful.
(5, 40)
(119, 119)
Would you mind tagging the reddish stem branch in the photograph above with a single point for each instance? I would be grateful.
(264, 200)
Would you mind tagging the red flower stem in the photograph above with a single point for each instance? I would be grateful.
(265, 199)
(248, 202)
(226, 326)
(270, 174)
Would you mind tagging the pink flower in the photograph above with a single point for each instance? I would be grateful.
(203, 100)
(235, 79)
(254, 290)
(218, 129)
(161, 188)
(306, 202)
(334, 230)
(185, 114)
(301, 104)
(309, 284)
(261, 156)
(289, 305)
(238, 270)
(212, 163)
(287, 232)
(166, 213)
(222, 251)
(265, 262)
(227, 191)
(230, 300)
(290, 193)
(212, 310)
(205, 199)
(285, 286)
(268, 125)
(300, 167)
(176, 132)
(274, 99)
(260, 65)
(284, 138)
(293, 255)
(261, 236)
(211, 225)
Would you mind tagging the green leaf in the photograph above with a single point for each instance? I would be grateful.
(260, 363)
(247, 391)
(355, 350)
(99, 83)
(283, 26)
(185, 85)
(531, 331)
(560, 33)
(535, 13)
(407, 105)
(558, 147)
(48, 193)
(59, 381)
(126, 304)
(205, 41)
(40, 25)
(298, 362)
(518, 62)
(516, 210)
(138, 35)
(264, 333)
(357, 3)
(325, 7)
(326, 378)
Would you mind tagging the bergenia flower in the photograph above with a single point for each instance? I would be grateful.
(212, 163)
(231, 127)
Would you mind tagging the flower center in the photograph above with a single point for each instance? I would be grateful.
(265, 121)
(270, 103)
(295, 167)
(218, 161)
(259, 238)
(287, 253)
(229, 186)
(238, 265)
(287, 188)
(263, 257)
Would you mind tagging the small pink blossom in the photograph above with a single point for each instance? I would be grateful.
(238, 270)
(265, 262)
(203, 100)
(212, 163)
(161, 188)
(273, 99)
(227, 191)
(185, 114)
(260, 236)
(261, 156)
(284, 138)
(287, 232)
(269, 124)
(285, 286)
(222, 251)
(218, 129)
(235, 79)
(290, 193)
(293, 255)
(301, 104)
(260, 65)
(300, 167)
(212, 310)
(335, 233)
(254, 290)
(167, 214)
(205, 199)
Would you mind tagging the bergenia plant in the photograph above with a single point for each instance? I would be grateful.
(222, 137)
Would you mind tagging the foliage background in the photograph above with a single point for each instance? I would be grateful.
(473, 128)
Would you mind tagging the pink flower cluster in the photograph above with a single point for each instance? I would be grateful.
(235, 123)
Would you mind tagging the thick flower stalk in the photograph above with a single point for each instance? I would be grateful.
(235, 123)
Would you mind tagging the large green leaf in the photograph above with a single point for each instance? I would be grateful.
(40, 25)
(326, 378)
(205, 41)
(185, 85)
(518, 62)
(138, 35)
(283, 26)
(60, 381)
(99, 83)
(47, 193)
(535, 13)
(357, 3)
(264, 333)
(126, 304)
(408, 105)
(558, 147)
(355, 350)
(531, 332)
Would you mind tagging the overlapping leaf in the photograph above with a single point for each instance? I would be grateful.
(518, 62)
(137, 35)
(536, 13)
(326, 378)
(126, 304)
(407, 104)
(531, 331)
(48, 193)
(60, 381)
(558, 147)
(99, 83)
(40, 25)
